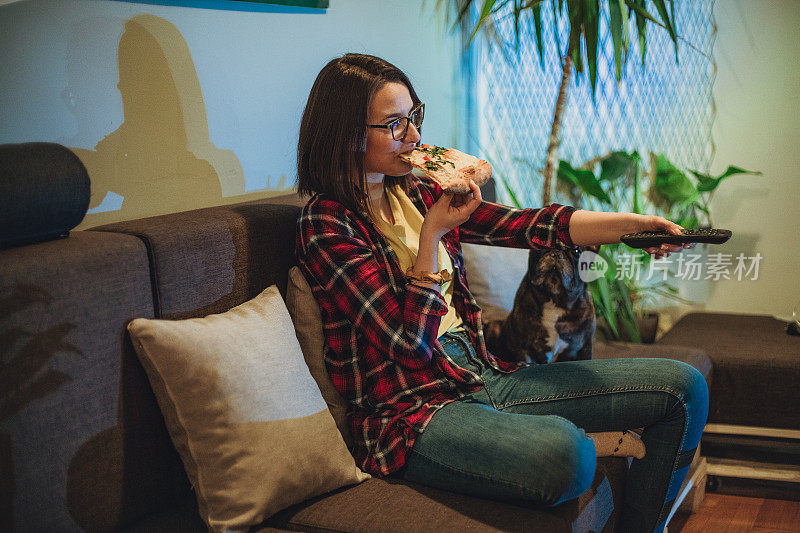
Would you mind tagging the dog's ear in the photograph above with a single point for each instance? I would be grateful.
(534, 274)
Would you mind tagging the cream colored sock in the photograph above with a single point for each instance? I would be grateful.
(618, 444)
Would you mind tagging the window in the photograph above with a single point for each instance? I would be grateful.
(664, 107)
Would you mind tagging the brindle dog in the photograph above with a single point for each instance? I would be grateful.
(553, 315)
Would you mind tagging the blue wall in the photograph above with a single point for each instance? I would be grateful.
(174, 107)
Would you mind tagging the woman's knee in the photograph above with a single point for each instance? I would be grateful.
(696, 404)
(692, 390)
(571, 460)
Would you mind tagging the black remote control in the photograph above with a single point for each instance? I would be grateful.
(649, 239)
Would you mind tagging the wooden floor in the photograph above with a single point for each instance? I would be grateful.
(721, 512)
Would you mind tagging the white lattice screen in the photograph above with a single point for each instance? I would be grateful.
(663, 107)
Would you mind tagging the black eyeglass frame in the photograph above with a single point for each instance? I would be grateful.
(407, 118)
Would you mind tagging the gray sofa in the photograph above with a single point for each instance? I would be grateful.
(83, 445)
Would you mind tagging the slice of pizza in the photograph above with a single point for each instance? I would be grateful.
(450, 168)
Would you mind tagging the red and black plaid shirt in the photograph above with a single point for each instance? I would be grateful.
(381, 348)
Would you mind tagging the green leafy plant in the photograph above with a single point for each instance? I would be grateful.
(679, 198)
(622, 185)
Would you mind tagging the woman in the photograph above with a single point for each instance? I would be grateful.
(404, 345)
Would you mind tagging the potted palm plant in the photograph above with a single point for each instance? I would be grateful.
(584, 22)
(613, 297)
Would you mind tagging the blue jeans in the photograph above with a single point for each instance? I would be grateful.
(522, 435)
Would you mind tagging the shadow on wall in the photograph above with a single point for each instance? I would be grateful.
(161, 159)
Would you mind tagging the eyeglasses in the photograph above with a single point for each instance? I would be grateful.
(399, 126)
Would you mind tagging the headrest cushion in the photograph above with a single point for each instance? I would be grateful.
(44, 192)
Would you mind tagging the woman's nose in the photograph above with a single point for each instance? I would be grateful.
(412, 135)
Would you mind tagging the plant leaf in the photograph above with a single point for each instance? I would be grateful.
(672, 184)
(575, 31)
(486, 11)
(606, 302)
(639, 9)
(674, 25)
(615, 165)
(607, 252)
(576, 17)
(591, 24)
(662, 10)
(640, 14)
(702, 178)
(536, 11)
(584, 180)
(687, 222)
(616, 29)
(701, 208)
(575, 8)
(636, 192)
(624, 14)
(577, 63)
(463, 11)
(708, 183)
(561, 54)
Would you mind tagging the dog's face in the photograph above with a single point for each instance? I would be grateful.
(555, 271)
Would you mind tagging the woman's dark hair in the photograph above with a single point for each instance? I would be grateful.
(333, 133)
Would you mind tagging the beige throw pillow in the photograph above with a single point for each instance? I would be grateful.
(243, 411)
(307, 320)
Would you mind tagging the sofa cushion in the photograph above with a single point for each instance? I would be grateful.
(307, 320)
(208, 260)
(394, 505)
(247, 418)
(751, 353)
(494, 274)
(82, 442)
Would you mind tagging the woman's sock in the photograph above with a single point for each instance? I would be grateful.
(618, 444)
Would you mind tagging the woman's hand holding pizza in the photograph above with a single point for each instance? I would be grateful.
(451, 210)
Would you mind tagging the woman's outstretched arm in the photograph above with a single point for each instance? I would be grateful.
(591, 228)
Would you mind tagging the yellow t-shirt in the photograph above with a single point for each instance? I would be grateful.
(403, 237)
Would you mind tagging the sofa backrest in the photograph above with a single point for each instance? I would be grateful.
(83, 444)
(67, 378)
(208, 260)
(200, 262)
(82, 441)
(72, 448)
